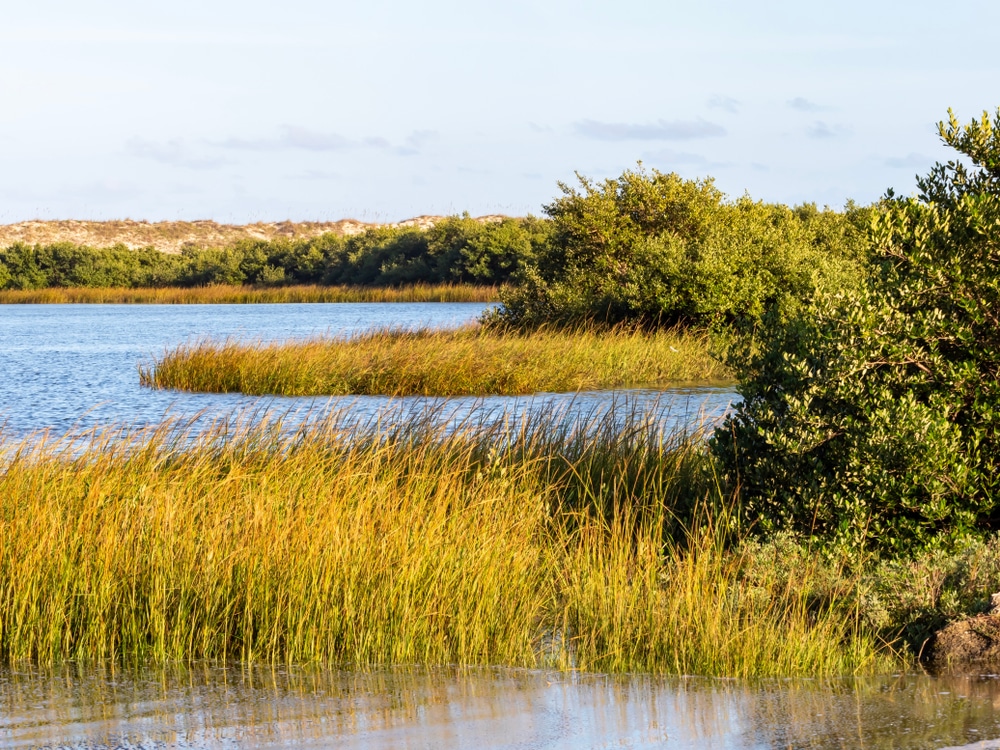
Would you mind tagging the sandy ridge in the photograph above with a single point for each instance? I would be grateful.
(174, 236)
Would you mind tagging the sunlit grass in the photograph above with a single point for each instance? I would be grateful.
(541, 544)
(224, 294)
(469, 361)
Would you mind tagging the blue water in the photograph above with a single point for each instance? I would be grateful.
(70, 367)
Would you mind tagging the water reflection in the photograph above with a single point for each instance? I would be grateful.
(213, 706)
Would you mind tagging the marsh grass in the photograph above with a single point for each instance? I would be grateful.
(536, 544)
(474, 360)
(226, 294)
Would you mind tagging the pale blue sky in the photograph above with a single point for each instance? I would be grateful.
(381, 110)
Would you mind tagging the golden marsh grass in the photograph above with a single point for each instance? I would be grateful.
(225, 294)
(539, 544)
(474, 360)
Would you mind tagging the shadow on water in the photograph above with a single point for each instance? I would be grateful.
(215, 706)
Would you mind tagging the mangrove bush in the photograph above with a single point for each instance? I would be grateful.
(660, 249)
(873, 417)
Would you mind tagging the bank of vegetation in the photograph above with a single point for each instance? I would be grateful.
(455, 250)
(475, 360)
(244, 294)
(647, 246)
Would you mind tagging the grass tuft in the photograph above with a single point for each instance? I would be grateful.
(545, 543)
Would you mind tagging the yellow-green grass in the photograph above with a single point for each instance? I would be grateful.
(226, 294)
(538, 545)
(473, 360)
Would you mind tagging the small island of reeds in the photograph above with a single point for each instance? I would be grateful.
(475, 360)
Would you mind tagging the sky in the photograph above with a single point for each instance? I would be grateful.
(383, 109)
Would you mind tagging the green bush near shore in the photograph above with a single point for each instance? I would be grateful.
(871, 419)
(595, 547)
(655, 248)
(469, 361)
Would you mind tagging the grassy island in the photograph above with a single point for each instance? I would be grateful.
(475, 360)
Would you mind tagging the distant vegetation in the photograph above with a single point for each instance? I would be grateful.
(239, 294)
(648, 247)
(456, 250)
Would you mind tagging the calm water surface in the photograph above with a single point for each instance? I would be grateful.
(212, 707)
(74, 366)
(64, 367)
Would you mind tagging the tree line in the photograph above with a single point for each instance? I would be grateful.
(647, 246)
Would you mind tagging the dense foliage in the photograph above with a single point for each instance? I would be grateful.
(456, 250)
(873, 417)
(654, 247)
(647, 247)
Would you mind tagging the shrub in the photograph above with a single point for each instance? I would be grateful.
(657, 248)
(873, 417)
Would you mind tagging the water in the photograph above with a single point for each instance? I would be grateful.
(67, 367)
(74, 366)
(214, 707)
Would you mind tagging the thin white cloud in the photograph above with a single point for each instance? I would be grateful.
(822, 130)
(292, 136)
(174, 152)
(305, 139)
(94, 35)
(318, 174)
(910, 161)
(726, 103)
(662, 130)
(311, 140)
(668, 156)
(418, 138)
(804, 105)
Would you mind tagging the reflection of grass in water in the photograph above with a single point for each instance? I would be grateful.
(290, 705)
(536, 545)
(224, 294)
(469, 361)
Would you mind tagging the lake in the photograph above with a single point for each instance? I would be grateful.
(68, 367)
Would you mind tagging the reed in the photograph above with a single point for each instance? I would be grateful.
(474, 360)
(536, 544)
(225, 294)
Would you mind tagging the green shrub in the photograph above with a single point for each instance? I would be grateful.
(657, 248)
(872, 418)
